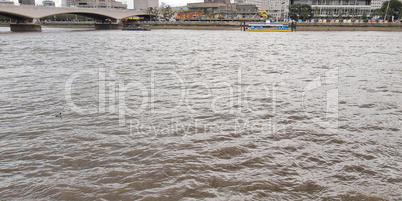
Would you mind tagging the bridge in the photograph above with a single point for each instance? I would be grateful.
(27, 18)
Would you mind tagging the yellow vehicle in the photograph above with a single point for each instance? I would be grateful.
(263, 13)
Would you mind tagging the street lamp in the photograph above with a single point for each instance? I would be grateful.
(284, 16)
(386, 11)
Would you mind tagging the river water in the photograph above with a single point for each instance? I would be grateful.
(190, 115)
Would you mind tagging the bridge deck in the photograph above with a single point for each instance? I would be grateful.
(37, 12)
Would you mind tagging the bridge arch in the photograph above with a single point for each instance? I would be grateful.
(29, 16)
(85, 14)
(18, 16)
(15, 16)
(37, 12)
(96, 16)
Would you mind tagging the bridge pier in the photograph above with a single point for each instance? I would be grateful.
(25, 25)
(108, 24)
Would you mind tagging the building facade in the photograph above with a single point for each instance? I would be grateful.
(27, 2)
(65, 4)
(377, 3)
(276, 8)
(144, 4)
(5, 2)
(95, 4)
(210, 5)
(48, 3)
(322, 8)
(341, 8)
(224, 9)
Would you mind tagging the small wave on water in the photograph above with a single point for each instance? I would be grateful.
(174, 115)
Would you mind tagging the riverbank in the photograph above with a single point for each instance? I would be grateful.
(195, 25)
(217, 27)
(329, 28)
(235, 26)
(299, 28)
(191, 25)
(349, 27)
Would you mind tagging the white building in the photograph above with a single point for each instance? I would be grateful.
(280, 8)
(63, 3)
(48, 3)
(144, 4)
(376, 4)
(276, 8)
(96, 4)
(344, 8)
(6, 2)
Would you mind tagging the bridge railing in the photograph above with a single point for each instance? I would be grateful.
(40, 6)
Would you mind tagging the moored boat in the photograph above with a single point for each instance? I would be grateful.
(130, 28)
(269, 26)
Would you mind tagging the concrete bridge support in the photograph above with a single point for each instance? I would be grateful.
(108, 24)
(25, 25)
